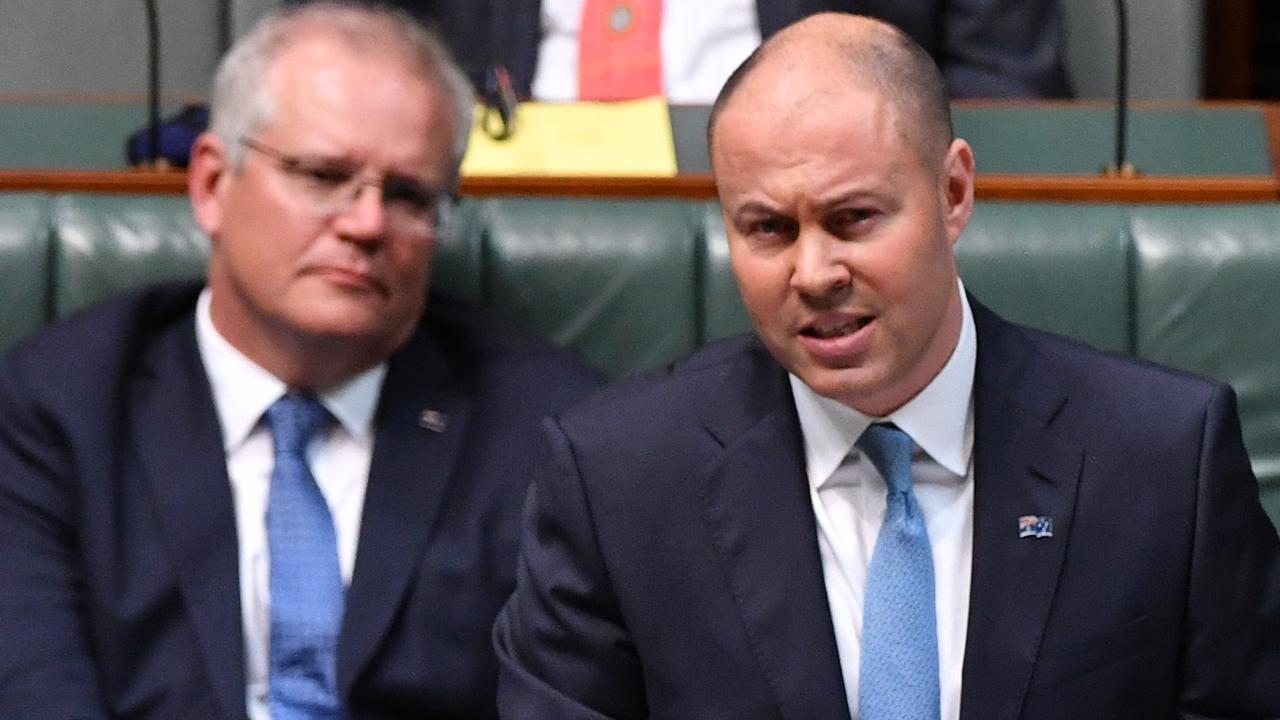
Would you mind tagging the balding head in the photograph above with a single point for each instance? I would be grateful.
(838, 52)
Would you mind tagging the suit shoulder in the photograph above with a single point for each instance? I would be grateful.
(1095, 362)
(1114, 385)
(75, 372)
(104, 338)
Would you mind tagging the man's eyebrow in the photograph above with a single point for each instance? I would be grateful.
(760, 207)
(322, 158)
(754, 207)
(855, 195)
(408, 175)
(346, 162)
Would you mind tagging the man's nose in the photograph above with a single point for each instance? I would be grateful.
(366, 218)
(820, 266)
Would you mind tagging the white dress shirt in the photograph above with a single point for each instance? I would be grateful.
(849, 500)
(339, 460)
(702, 43)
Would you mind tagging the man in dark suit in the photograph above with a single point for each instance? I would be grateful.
(985, 49)
(165, 551)
(889, 502)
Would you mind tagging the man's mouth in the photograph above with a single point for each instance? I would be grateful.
(835, 327)
(349, 277)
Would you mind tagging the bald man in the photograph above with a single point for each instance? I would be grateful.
(887, 502)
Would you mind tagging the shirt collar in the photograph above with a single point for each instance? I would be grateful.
(939, 418)
(243, 390)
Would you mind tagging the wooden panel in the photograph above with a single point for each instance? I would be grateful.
(688, 185)
(148, 182)
(700, 187)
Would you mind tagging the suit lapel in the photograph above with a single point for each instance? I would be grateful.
(178, 439)
(421, 423)
(755, 499)
(1021, 467)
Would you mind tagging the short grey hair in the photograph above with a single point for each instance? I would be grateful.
(243, 99)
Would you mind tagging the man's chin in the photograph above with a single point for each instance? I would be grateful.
(852, 386)
(348, 327)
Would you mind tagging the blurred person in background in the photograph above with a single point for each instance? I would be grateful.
(565, 50)
(294, 491)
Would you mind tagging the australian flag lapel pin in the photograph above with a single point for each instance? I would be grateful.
(1035, 526)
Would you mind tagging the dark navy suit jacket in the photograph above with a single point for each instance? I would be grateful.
(1013, 48)
(118, 562)
(670, 566)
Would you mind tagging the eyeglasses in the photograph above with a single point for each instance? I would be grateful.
(332, 186)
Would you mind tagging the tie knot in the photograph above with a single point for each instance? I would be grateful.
(889, 449)
(294, 420)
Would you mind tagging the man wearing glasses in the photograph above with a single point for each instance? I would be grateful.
(288, 493)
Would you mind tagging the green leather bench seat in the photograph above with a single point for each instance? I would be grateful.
(106, 244)
(1062, 268)
(632, 284)
(1213, 307)
(613, 279)
(721, 310)
(457, 265)
(24, 264)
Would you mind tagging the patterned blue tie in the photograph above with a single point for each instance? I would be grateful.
(306, 585)
(899, 675)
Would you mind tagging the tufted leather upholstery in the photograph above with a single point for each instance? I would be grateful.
(632, 284)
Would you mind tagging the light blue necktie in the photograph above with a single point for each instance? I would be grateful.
(306, 585)
(899, 675)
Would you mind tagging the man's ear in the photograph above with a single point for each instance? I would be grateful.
(957, 188)
(207, 177)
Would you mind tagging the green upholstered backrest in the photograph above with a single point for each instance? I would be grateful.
(457, 261)
(24, 264)
(721, 309)
(613, 279)
(106, 244)
(1056, 267)
(1207, 286)
(632, 284)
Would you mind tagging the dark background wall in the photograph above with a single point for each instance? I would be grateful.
(54, 47)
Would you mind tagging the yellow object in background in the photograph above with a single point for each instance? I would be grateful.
(631, 139)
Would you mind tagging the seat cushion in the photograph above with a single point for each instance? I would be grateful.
(24, 264)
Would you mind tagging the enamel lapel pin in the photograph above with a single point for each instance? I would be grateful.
(1035, 526)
